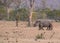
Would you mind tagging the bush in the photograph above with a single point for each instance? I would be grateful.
(34, 16)
(23, 13)
(2, 13)
(41, 36)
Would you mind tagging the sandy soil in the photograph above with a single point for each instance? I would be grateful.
(9, 33)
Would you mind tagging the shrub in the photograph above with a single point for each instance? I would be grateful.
(41, 36)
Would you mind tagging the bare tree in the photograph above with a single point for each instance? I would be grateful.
(7, 5)
(43, 8)
(31, 10)
(6, 2)
(18, 2)
(43, 4)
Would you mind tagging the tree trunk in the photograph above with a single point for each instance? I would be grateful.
(7, 13)
(43, 8)
(30, 18)
(17, 19)
(31, 10)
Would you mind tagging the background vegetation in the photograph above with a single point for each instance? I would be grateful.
(24, 13)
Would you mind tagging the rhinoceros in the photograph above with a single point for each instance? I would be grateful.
(43, 23)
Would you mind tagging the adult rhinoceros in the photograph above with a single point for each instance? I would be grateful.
(43, 23)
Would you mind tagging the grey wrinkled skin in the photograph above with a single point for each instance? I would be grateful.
(42, 24)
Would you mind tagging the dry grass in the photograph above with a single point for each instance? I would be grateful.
(9, 33)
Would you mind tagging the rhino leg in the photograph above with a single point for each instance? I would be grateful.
(41, 27)
(50, 27)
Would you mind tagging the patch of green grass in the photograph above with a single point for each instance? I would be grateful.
(41, 36)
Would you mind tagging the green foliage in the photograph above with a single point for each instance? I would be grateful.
(23, 14)
(57, 12)
(12, 15)
(41, 36)
(34, 16)
(42, 13)
(2, 13)
(2, 10)
(53, 14)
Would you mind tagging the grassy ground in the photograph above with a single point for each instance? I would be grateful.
(9, 33)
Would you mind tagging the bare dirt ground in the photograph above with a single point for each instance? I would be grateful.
(9, 33)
